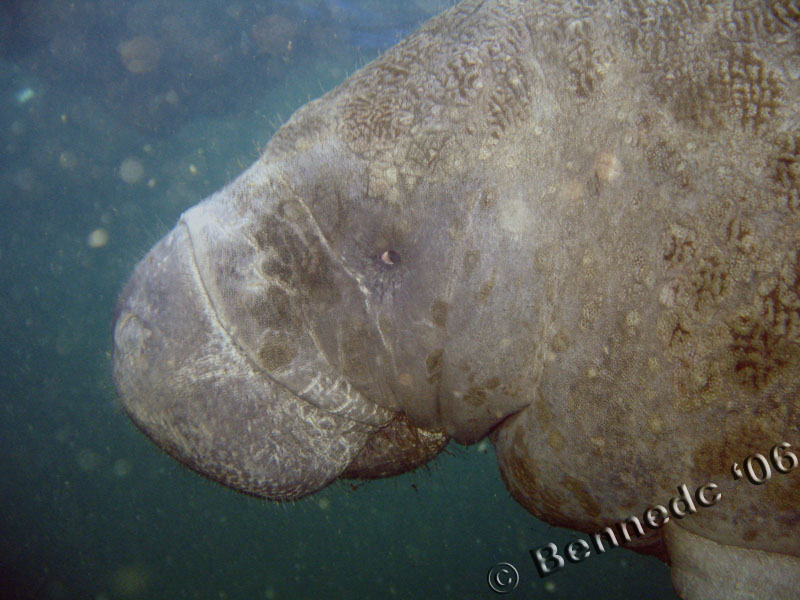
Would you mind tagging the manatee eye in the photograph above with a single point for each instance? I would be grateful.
(390, 257)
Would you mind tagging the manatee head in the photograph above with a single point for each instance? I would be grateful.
(246, 343)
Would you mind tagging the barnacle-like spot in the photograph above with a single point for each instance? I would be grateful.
(475, 396)
(434, 363)
(787, 170)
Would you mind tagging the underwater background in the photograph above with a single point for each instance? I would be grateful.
(114, 118)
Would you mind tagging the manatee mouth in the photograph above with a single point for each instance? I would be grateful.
(188, 386)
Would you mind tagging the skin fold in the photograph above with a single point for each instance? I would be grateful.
(570, 226)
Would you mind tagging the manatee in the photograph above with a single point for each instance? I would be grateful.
(569, 226)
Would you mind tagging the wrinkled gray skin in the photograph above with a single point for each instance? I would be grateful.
(571, 227)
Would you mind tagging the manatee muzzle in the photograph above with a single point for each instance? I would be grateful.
(191, 388)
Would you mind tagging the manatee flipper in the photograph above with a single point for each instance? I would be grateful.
(703, 569)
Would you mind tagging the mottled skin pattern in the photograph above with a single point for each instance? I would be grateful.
(572, 226)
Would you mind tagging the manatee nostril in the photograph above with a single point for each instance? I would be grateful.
(390, 257)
